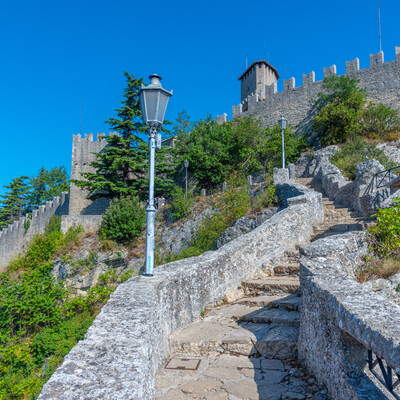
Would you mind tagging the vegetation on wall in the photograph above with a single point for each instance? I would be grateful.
(343, 112)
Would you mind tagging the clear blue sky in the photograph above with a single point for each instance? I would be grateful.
(56, 54)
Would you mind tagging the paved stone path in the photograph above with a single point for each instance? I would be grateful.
(246, 349)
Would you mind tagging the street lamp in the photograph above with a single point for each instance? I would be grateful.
(153, 102)
(282, 124)
(186, 164)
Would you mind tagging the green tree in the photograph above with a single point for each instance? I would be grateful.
(183, 125)
(47, 184)
(121, 169)
(14, 203)
(339, 109)
(272, 147)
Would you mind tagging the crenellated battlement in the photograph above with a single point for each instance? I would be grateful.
(380, 79)
(15, 238)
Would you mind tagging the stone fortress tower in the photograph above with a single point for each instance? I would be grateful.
(261, 99)
(255, 79)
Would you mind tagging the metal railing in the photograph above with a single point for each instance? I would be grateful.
(382, 179)
(386, 375)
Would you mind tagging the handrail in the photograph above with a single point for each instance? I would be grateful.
(385, 181)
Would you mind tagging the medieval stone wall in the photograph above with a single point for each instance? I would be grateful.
(15, 238)
(381, 81)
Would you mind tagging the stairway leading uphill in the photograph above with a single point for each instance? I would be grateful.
(248, 348)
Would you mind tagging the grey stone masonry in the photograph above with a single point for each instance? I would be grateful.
(341, 319)
(83, 153)
(128, 341)
(15, 238)
(380, 81)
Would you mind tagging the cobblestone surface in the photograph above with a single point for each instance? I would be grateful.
(229, 377)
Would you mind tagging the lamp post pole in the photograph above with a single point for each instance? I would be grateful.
(150, 209)
(186, 163)
(282, 125)
(153, 102)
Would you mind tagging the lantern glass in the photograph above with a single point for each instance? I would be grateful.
(282, 123)
(186, 163)
(154, 101)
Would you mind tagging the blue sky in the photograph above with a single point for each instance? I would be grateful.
(56, 54)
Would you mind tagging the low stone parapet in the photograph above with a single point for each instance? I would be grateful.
(342, 319)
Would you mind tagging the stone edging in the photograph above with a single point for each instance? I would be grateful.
(341, 318)
(128, 341)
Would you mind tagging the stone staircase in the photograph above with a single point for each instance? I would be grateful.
(338, 219)
(262, 324)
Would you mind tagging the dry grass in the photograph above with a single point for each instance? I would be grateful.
(376, 269)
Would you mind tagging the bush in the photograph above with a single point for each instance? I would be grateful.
(380, 122)
(383, 259)
(181, 204)
(264, 198)
(355, 151)
(231, 205)
(123, 220)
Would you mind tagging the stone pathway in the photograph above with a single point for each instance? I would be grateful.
(247, 349)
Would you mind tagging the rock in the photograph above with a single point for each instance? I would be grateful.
(82, 270)
(281, 175)
(391, 150)
(233, 295)
(244, 225)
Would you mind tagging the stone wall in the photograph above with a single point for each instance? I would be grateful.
(83, 153)
(329, 178)
(380, 81)
(341, 319)
(15, 238)
(128, 341)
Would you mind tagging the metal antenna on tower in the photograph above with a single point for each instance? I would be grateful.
(265, 50)
(379, 19)
(81, 115)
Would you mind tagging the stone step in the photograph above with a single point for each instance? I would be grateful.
(325, 234)
(272, 285)
(271, 316)
(289, 269)
(288, 302)
(278, 342)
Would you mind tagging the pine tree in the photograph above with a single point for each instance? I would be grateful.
(14, 203)
(122, 168)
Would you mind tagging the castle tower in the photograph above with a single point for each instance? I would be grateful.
(256, 77)
(83, 150)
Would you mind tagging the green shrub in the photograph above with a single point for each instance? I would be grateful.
(181, 204)
(228, 207)
(380, 122)
(123, 220)
(383, 259)
(264, 198)
(355, 151)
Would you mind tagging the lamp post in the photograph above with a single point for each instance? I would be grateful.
(153, 102)
(186, 163)
(282, 125)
